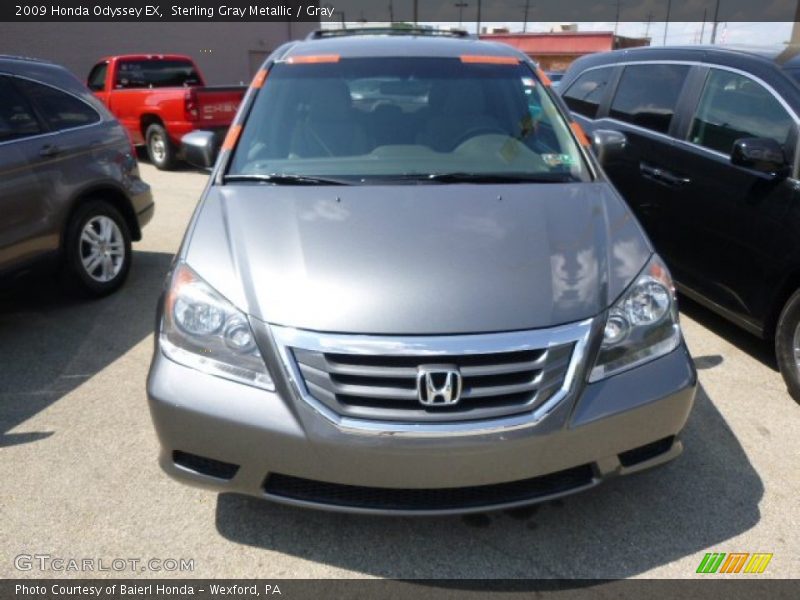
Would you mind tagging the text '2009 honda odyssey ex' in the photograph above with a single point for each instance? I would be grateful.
(408, 288)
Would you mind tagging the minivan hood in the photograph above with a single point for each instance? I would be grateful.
(417, 259)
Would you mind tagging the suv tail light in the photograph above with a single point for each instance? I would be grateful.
(190, 105)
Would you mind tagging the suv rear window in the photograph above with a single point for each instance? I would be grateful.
(587, 91)
(647, 94)
(155, 73)
(59, 109)
(376, 118)
(17, 119)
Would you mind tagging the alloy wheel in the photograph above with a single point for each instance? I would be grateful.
(102, 248)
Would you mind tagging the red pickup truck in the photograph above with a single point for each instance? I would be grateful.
(161, 97)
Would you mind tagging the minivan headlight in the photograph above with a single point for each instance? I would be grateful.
(204, 331)
(641, 325)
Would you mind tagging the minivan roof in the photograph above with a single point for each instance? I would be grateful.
(384, 46)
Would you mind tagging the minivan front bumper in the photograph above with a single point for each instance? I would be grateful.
(231, 437)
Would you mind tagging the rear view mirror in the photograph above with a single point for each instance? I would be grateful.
(608, 145)
(200, 148)
(760, 154)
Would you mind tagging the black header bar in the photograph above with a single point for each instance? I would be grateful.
(409, 11)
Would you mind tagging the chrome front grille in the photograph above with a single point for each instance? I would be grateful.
(385, 387)
(370, 378)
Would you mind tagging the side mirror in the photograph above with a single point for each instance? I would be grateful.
(760, 154)
(200, 148)
(608, 145)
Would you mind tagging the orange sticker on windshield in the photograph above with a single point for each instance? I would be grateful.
(489, 59)
(232, 137)
(579, 133)
(313, 59)
(543, 77)
(259, 79)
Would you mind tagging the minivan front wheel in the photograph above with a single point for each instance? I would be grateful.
(787, 345)
(160, 151)
(98, 248)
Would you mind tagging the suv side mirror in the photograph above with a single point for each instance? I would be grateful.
(200, 148)
(761, 154)
(608, 145)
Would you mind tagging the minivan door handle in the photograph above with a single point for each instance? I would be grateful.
(663, 176)
(49, 150)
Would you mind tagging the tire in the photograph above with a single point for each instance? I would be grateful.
(97, 249)
(787, 345)
(160, 150)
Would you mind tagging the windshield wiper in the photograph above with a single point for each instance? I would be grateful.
(467, 177)
(287, 179)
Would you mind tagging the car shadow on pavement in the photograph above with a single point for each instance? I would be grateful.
(52, 341)
(622, 528)
(761, 350)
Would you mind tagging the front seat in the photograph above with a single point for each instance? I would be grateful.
(455, 108)
(331, 127)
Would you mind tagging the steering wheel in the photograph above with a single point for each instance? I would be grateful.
(477, 130)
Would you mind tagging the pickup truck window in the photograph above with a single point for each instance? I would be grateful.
(97, 78)
(734, 106)
(647, 95)
(156, 74)
(377, 119)
(60, 110)
(17, 119)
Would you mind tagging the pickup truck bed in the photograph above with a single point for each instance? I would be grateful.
(161, 98)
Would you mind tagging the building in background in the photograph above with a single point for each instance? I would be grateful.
(227, 53)
(555, 51)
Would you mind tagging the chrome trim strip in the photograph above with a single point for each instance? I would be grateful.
(577, 333)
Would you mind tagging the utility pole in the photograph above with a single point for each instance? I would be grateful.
(666, 23)
(416, 11)
(525, 17)
(703, 27)
(460, 6)
(714, 28)
(795, 39)
(391, 12)
(478, 24)
(647, 27)
(616, 23)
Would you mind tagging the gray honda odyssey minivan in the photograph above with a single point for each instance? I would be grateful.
(409, 288)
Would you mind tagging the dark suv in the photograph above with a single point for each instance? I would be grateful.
(69, 181)
(711, 170)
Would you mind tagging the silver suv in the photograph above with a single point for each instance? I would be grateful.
(69, 181)
(410, 288)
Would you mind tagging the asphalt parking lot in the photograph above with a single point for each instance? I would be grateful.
(80, 479)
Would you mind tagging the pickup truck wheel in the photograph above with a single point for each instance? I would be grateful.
(160, 150)
(97, 248)
(787, 345)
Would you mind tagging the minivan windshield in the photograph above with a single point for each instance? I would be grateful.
(361, 120)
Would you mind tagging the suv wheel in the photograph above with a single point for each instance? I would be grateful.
(787, 345)
(98, 248)
(160, 150)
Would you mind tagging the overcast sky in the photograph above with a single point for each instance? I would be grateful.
(759, 34)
